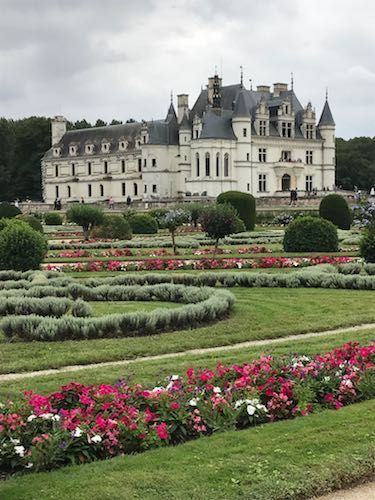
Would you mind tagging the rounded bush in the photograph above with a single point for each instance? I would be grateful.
(367, 246)
(8, 211)
(311, 234)
(53, 219)
(86, 216)
(34, 222)
(21, 247)
(244, 203)
(143, 224)
(113, 227)
(335, 209)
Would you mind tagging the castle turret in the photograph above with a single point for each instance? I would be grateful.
(182, 106)
(326, 127)
(241, 121)
(58, 129)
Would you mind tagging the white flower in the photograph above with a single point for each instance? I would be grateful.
(193, 402)
(262, 407)
(20, 450)
(175, 377)
(56, 418)
(46, 416)
(77, 432)
(96, 439)
(217, 390)
(29, 465)
(15, 441)
(31, 417)
(327, 379)
(251, 410)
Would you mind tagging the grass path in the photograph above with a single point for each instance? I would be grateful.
(209, 350)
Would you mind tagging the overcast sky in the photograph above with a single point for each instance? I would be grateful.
(121, 58)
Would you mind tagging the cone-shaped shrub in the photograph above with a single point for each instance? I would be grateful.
(335, 209)
(244, 203)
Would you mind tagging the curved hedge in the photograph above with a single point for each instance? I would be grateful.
(334, 208)
(8, 211)
(244, 203)
(311, 234)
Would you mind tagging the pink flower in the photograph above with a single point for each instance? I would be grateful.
(162, 431)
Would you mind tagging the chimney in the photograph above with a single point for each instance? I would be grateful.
(182, 106)
(58, 128)
(263, 88)
(278, 88)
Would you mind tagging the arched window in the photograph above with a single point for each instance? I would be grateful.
(101, 190)
(217, 165)
(197, 163)
(135, 187)
(69, 191)
(285, 182)
(226, 165)
(207, 164)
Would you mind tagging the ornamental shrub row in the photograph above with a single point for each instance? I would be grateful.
(49, 306)
(29, 328)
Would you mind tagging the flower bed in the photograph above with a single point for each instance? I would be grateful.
(196, 264)
(81, 423)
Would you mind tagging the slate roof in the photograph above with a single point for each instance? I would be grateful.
(326, 116)
(241, 107)
(217, 125)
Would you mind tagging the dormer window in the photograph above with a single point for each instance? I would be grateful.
(309, 131)
(105, 147)
(123, 145)
(89, 149)
(56, 152)
(72, 150)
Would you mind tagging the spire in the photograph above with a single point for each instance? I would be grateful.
(171, 113)
(241, 110)
(251, 83)
(326, 117)
(171, 96)
(185, 124)
(241, 77)
(291, 81)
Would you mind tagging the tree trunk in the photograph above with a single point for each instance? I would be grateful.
(86, 232)
(173, 243)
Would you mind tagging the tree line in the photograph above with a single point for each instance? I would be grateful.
(23, 143)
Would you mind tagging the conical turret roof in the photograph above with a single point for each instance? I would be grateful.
(241, 109)
(326, 116)
(185, 124)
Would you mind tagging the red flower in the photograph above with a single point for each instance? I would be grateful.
(162, 430)
(174, 406)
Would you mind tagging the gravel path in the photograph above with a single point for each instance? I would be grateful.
(363, 492)
(125, 362)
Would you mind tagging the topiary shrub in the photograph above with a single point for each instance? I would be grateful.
(219, 220)
(86, 216)
(311, 234)
(8, 211)
(53, 219)
(367, 245)
(143, 224)
(335, 209)
(244, 203)
(21, 247)
(32, 221)
(113, 227)
(159, 215)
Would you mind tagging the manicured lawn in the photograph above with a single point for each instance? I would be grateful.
(259, 313)
(101, 308)
(151, 373)
(289, 459)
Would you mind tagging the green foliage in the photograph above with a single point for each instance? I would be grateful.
(113, 227)
(355, 162)
(350, 268)
(244, 203)
(335, 209)
(34, 222)
(173, 219)
(8, 211)
(53, 219)
(367, 245)
(219, 220)
(21, 248)
(158, 214)
(143, 224)
(311, 234)
(86, 216)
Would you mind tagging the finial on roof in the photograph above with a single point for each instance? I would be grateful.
(291, 80)
(241, 77)
(171, 96)
(251, 83)
(215, 69)
(326, 93)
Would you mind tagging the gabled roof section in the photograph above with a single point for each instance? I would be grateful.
(171, 112)
(241, 107)
(326, 116)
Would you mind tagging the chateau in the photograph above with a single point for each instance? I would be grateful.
(259, 141)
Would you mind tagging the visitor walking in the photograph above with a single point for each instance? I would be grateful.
(128, 201)
(111, 203)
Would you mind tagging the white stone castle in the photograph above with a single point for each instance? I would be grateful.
(258, 141)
